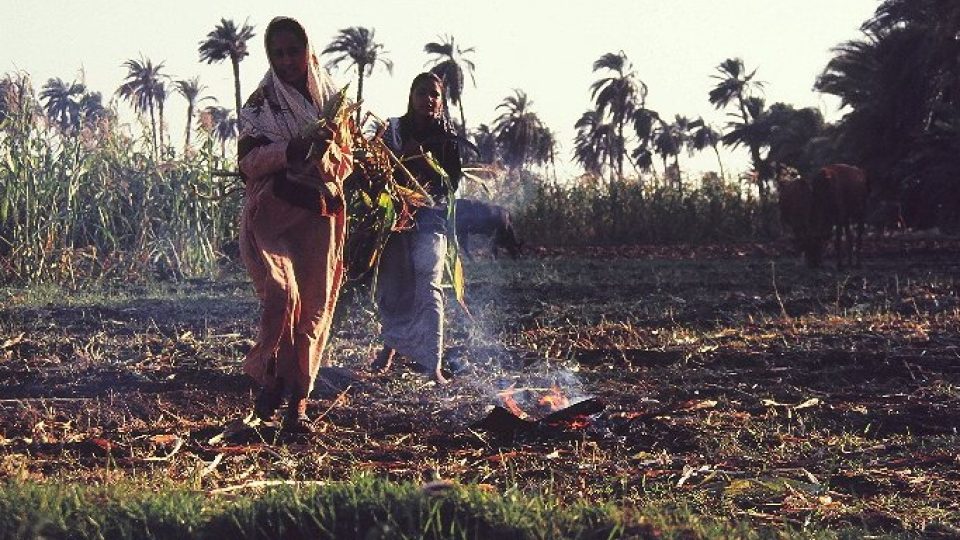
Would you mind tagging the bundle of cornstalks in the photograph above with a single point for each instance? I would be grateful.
(382, 195)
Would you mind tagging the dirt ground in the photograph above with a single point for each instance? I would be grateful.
(736, 382)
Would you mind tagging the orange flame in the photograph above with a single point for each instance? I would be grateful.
(506, 396)
(555, 399)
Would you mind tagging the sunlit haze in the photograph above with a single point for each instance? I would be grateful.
(544, 47)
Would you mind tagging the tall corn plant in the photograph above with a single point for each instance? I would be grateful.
(583, 214)
(38, 172)
(100, 204)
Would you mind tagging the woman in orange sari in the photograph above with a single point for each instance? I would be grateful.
(293, 222)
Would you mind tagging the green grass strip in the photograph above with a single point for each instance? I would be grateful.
(363, 508)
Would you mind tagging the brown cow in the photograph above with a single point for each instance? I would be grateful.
(829, 204)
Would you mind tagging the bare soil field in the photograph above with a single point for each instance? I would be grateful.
(734, 383)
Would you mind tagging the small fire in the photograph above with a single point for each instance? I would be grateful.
(555, 399)
(506, 396)
(579, 422)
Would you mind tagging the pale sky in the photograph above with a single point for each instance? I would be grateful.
(544, 47)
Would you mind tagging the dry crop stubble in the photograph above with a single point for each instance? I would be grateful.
(716, 401)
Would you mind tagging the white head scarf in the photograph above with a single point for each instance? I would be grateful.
(284, 112)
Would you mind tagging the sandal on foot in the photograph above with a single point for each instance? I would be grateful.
(296, 419)
(267, 402)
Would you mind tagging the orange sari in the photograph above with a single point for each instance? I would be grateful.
(294, 255)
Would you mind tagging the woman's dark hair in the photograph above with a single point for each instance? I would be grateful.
(417, 81)
(284, 24)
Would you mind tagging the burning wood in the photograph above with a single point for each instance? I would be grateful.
(506, 396)
(555, 399)
(512, 418)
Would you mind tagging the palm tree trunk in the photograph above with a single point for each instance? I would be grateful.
(360, 68)
(676, 165)
(719, 163)
(153, 128)
(758, 166)
(186, 144)
(621, 150)
(160, 126)
(463, 120)
(613, 169)
(236, 85)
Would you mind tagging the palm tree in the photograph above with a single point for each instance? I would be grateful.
(791, 132)
(752, 133)
(881, 79)
(356, 45)
(61, 102)
(736, 86)
(450, 63)
(594, 142)
(144, 89)
(705, 136)
(665, 144)
(161, 100)
(644, 122)
(486, 143)
(620, 94)
(190, 89)
(670, 139)
(545, 150)
(228, 41)
(222, 125)
(900, 83)
(518, 130)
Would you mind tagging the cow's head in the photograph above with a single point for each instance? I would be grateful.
(803, 217)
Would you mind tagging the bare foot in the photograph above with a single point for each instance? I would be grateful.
(439, 377)
(383, 361)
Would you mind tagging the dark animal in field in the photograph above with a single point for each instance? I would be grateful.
(478, 217)
(829, 203)
(885, 215)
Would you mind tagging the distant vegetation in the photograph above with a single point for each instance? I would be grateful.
(79, 190)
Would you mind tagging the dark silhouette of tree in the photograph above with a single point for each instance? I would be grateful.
(486, 143)
(736, 87)
(91, 107)
(61, 102)
(671, 139)
(644, 123)
(791, 133)
(900, 86)
(356, 45)
(596, 142)
(618, 95)
(450, 63)
(706, 137)
(222, 125)
(225, 41)
(143, 88)
(519, 130)
(190, 89)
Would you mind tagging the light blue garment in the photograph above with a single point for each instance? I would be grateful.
(410, 297)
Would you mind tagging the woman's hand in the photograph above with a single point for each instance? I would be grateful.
(299, 147)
